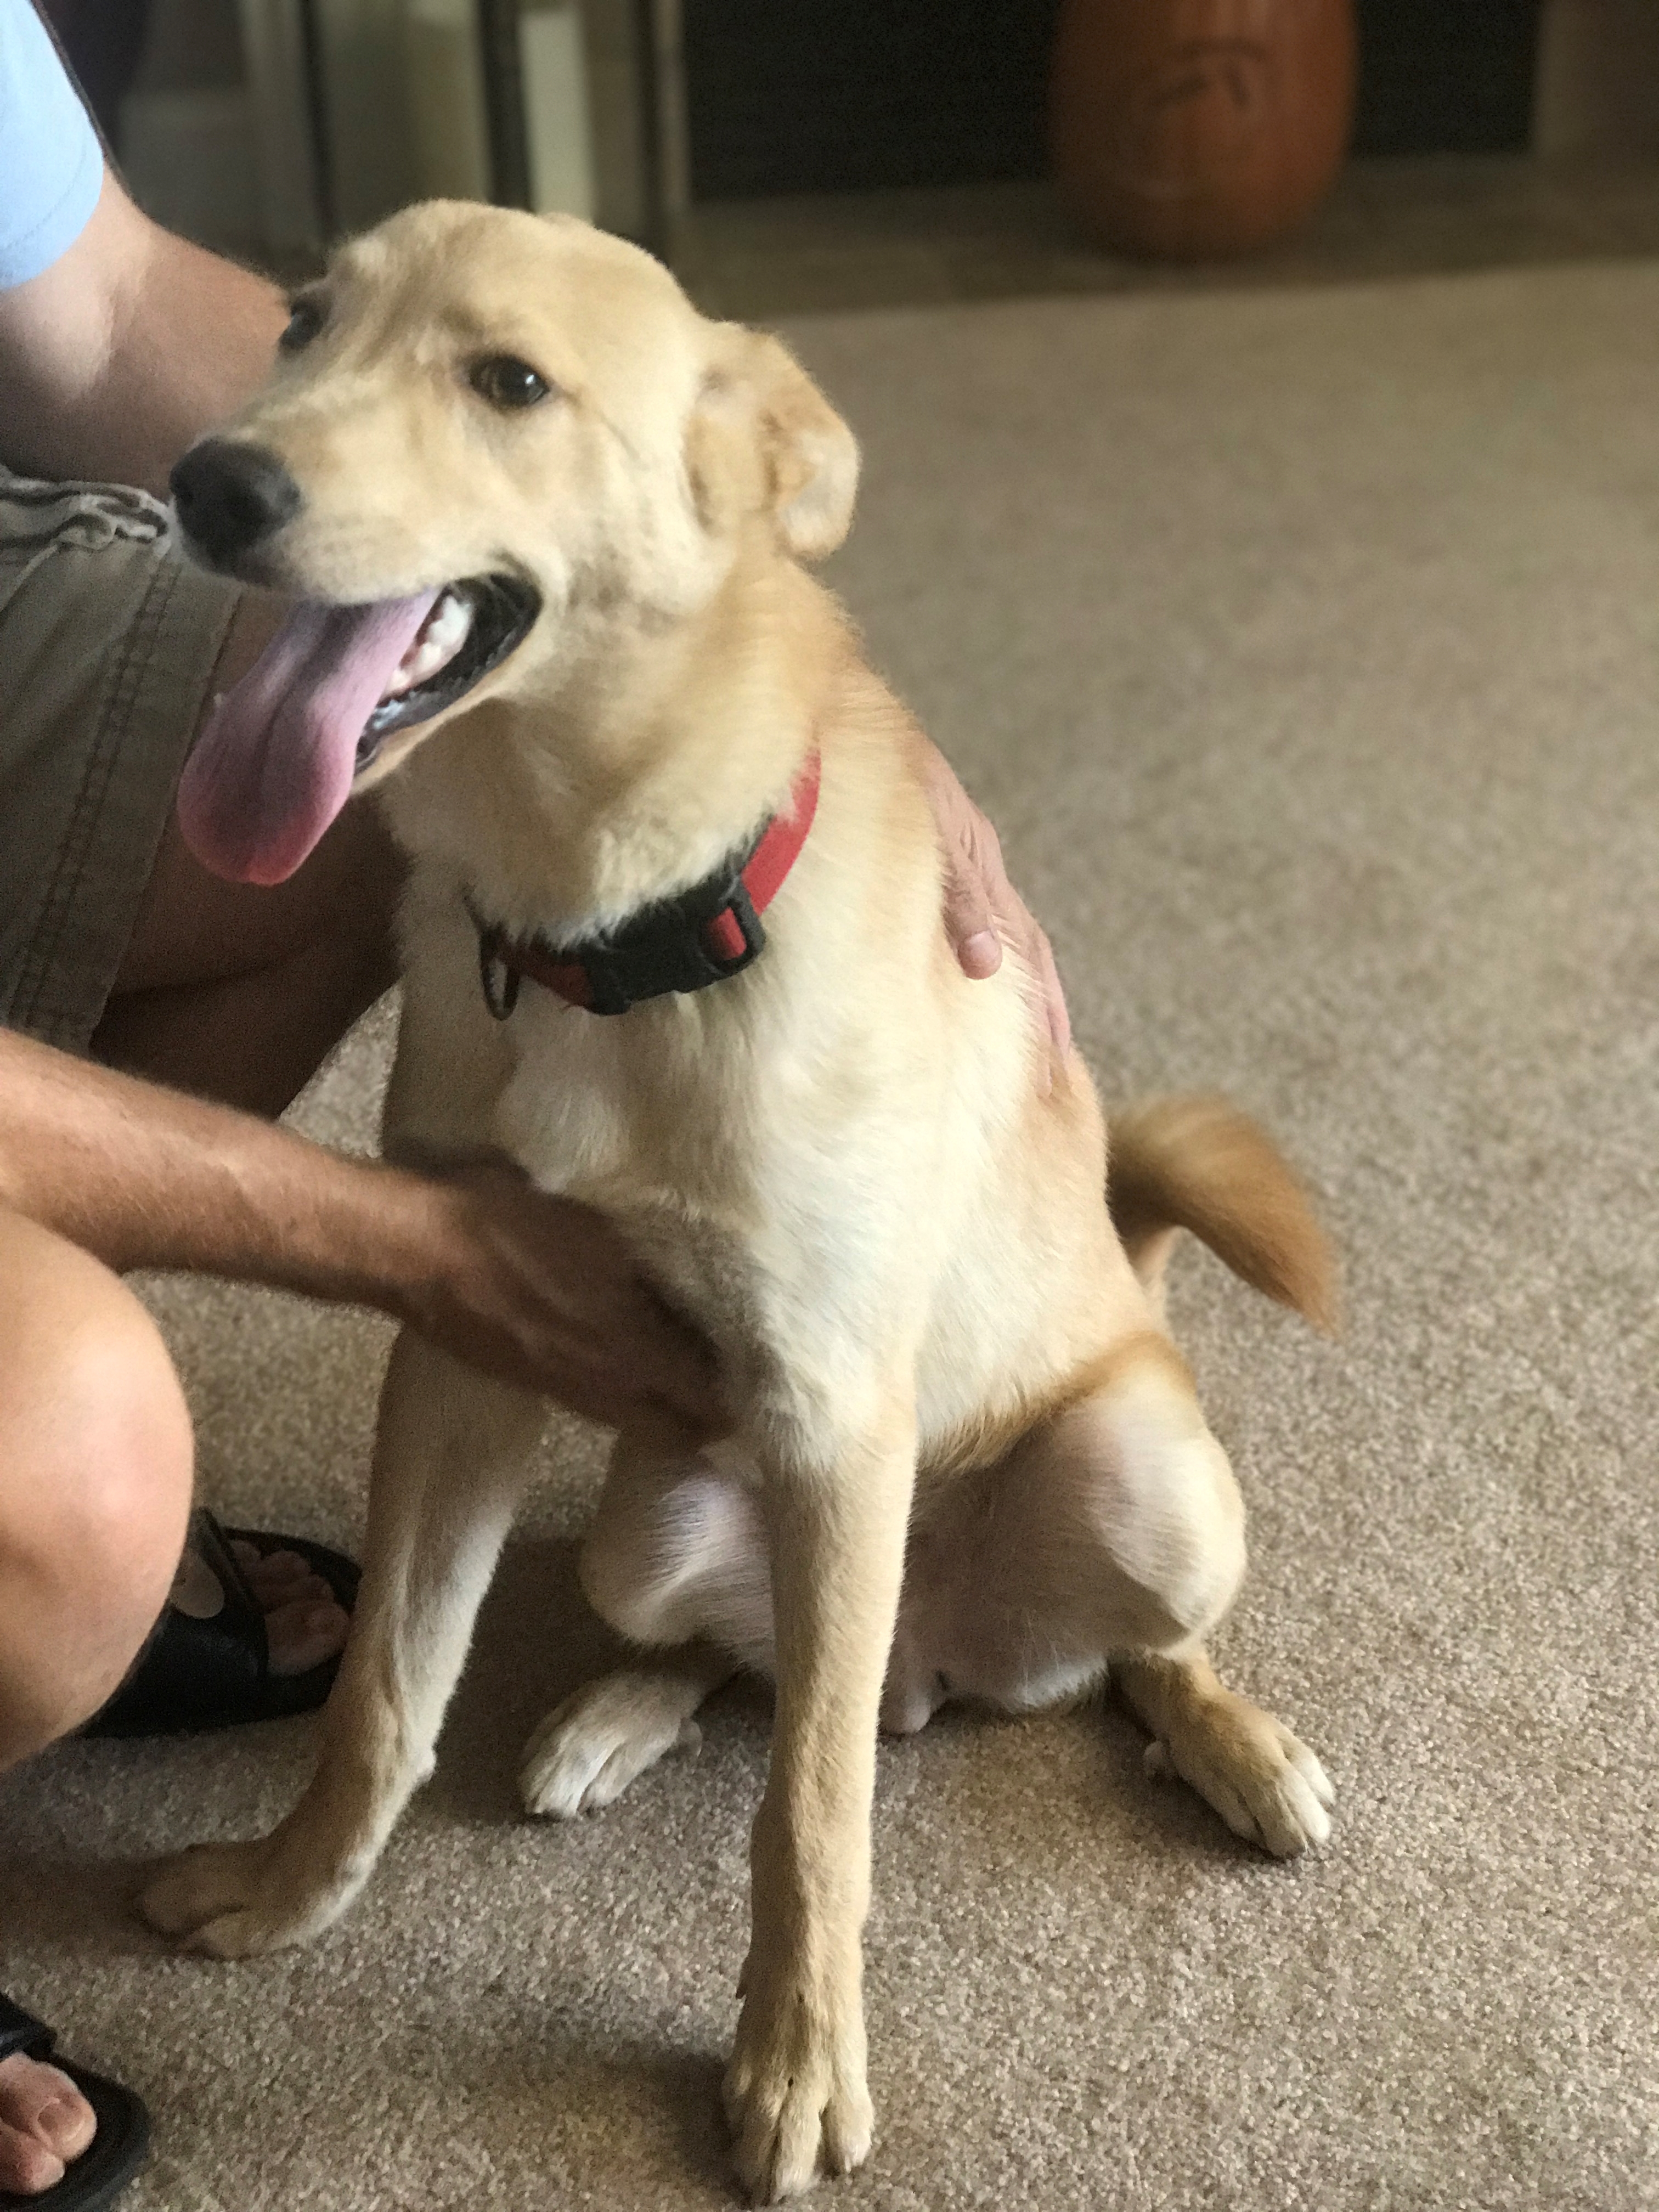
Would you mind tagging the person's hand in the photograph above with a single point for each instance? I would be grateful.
(983, 910)
(545, 1293)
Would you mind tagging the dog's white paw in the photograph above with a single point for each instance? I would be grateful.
(236, 1900)
(1265, 1783)
(794, 2092)
(588, 1750)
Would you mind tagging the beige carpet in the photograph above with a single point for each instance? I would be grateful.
(1306, 648)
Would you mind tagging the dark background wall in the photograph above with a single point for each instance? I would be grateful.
(1446, 77)
(800, 96)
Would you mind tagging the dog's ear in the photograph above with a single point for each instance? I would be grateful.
(763, 437)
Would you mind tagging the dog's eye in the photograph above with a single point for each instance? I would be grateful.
(505, 382)
(306, 318)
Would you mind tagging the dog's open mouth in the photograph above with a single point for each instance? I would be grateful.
(470, 628)
(278, 754)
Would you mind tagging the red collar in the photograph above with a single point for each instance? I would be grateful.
(684, 944)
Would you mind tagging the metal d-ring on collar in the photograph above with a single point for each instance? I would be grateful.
(501, 981)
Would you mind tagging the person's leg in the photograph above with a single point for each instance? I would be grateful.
(238, 992)
(109, 930)
(95, 1491)
(95, 1470)
(95, 1473)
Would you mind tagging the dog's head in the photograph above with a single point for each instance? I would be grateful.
(492, 443)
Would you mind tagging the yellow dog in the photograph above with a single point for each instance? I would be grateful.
(673, 943)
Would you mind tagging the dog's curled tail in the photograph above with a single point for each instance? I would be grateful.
(1199, 1164)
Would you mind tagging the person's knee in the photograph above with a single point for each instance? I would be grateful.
(118, 1455)
(95, 1472)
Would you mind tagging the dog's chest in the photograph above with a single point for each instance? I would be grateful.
(632, 1112)
(760, 1218)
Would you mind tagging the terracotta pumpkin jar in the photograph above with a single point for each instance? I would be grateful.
(1199, 127)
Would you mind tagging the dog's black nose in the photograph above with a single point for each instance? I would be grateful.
(228, 497)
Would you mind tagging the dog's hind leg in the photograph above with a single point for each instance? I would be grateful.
(1166, 1507)
(1114, 1533)
(675, 1561)
(1166, 1511)
(451, 1460)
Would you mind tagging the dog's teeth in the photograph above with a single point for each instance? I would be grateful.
(437, 642)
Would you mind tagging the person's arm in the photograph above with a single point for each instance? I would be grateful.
(134, 342)
(535, 1289)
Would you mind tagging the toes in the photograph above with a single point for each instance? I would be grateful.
(795, 2100)
(235, 1901)
(169, 1902)
(612, 1778)
(795, 2145)
(1235, 1808)
(269, 1571)
(1196, 1764)
(1314, 1820)
(775, 2147)
(238, 1935)
(45, 2122)
(39, 2098)
(563, 1760)
(304, 1632)
(270, 1566)
(26, 2166)
(1290, 1817)
(849, 2125)
(27, 2084)
(1307, 1793)
(781, 2143)
(279, 1578)
(1309, 1769)
(67, 2125)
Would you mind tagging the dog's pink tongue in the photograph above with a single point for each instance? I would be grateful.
(274, 762)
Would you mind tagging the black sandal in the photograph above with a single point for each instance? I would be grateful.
(207, 1664)
(115, 2153)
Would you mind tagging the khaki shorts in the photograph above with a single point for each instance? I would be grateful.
(107, 645)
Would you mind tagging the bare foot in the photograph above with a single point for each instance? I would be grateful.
(305, 1623)
(45, 2122)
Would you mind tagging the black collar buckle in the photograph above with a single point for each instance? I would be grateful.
(666, 948)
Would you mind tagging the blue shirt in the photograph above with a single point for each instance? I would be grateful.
(51, 166)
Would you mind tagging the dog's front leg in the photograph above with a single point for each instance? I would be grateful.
(795, 2090)
(450, 1461)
